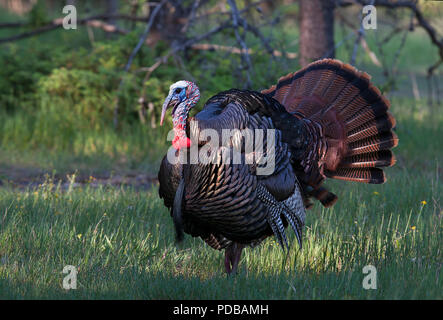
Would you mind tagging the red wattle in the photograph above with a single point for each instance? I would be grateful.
(181, 142)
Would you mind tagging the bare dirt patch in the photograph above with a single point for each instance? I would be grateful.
(29, 177)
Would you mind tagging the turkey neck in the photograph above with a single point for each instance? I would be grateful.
(179, 120)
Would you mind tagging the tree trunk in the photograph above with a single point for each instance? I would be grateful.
(316, 30)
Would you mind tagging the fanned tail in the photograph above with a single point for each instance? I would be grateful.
(348, 120)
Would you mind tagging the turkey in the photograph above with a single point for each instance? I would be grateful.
(326, 120)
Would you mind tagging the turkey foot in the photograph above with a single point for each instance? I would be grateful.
(232, 257)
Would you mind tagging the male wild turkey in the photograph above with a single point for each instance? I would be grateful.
(329, 121)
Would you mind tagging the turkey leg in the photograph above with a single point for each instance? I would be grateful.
(232, 257)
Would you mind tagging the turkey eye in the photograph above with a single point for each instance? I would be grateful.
(178, 90)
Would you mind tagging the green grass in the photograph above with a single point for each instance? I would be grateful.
(122, 243)
(134, 147)
(122, 240)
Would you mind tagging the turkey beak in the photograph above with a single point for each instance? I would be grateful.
(165, 107)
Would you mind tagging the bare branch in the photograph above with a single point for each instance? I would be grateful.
(235, 50)
(191, 16)
(58, 23)
(12, 25)
(52, 26)
(106, 27)
(144, 35)
(412, 5)
(363, 41)
(142, 40)
(253, 5)
(241, 40)
(360, 37)
(104, 17)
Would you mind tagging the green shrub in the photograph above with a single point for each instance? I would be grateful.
(82, 97)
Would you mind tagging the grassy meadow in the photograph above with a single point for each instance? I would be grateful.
(122, 240)
(56, 129)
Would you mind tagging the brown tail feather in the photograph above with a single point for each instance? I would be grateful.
(377, 110)
(368, 175)
(353, 116)
(384, 141)
(384, 158)
(372, 127)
